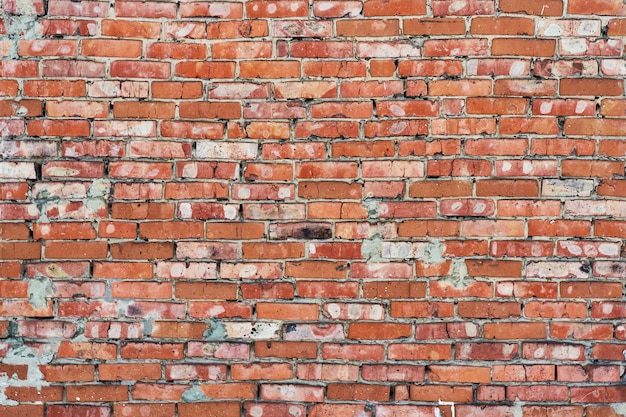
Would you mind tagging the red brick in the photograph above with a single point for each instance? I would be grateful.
(523, 47)
(341, 69)
(269, 69)
(233, 390)
(523, 373)
(590, 290)
(87, 350)
(419, 308)
(141, 290)
(143, 110)
(460, 88)
(154, 170)
(382, 68)
(125, 128)
(301, 350)
(547, 68)
(236, 29)
(210, 110)
(261, 371)
(496, 105)
(140, 250)
(165, 50)
(63, 231)
(429, 68)
(130, 29)
(443, 188)
(581, 331)
(601, 169)
(525, 88)
(143, 69)
(563, 147)
(460, 394)
(508, 331)
(475, 289)
(394, 8)
(112, 48)
(559, 228)
(459, 167)
(355, 392)
(493, 228)
(379, 269)
(273, 250)
(316, 269)
(393, 373)
(230, 50)
(438, 373)
(128, 372)
(361, 352)
(155, 409)
(271, 9)
(47, 47)
(300, 393)
(377, 331)
(283, 311)
(137, 350)
(606, 7)
(555, 310)
(484, 309)
(456, 47)
(53, 88)
(219, 69)
(436, 26)
(508, 188)
(533, 7)
(203, 9)
(327, 410)
(76, 410)
(591, 87)
(75, 250)
(538, 393)
(225, 230)
(210, 409)
(502, 26)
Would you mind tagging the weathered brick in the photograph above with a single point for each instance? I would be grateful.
(216, 199)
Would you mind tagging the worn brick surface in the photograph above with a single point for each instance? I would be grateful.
(367, 208)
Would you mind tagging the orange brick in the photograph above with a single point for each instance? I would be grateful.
(377, 331)
(533, 7)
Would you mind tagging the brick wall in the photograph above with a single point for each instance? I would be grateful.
(335, 208)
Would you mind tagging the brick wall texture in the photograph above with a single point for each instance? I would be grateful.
(377, 208)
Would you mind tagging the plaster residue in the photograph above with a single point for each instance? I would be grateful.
(371, 248)
(215, 331)
(517, 408)
(373, 208)
(39, 289)
(433, 253)
(20, 24)
(458, 274)
(194, 394)
(56, 203)
(620, 408)
(21, 354)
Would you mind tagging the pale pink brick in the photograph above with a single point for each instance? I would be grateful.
(292, 392)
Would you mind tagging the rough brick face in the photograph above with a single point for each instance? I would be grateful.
(368, 208)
